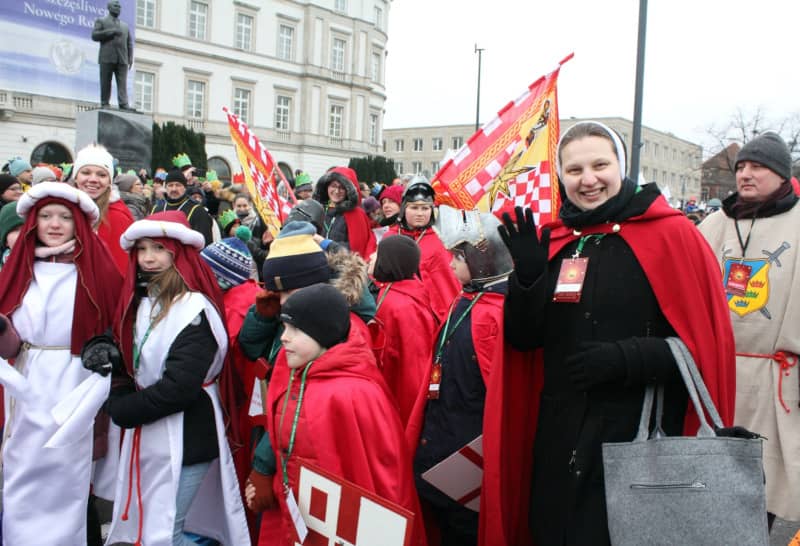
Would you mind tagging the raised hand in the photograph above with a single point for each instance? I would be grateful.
(529, 252)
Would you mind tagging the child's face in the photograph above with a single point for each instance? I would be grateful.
(459, 266)
(300, 347)
(153, 257)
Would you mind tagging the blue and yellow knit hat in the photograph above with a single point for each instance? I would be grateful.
(230, 259)
(295, 260)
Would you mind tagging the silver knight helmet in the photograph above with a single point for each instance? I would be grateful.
(474, 233)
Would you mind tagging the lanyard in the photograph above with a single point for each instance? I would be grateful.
(383, 296)
(582, 243)
(137, 349)
(420, 236)
(445, 335)
(739, 235)
(276, 346)
(290, 448)
(329, 226)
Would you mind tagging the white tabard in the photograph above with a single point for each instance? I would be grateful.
(217, 511)
(47, 454)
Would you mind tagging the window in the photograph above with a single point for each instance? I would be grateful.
(398, 167)
(674, 154)
(458, 142)
(144, 87)
(378, 18)
(198, 15)
(336, 121)
(373, 129)
(399, 145)
(146, 13)
(655, 150)
(666, 152)
(437, 144)
(283, 109)
(244, 32)
(285, 41)
(416, 167)
(195, 99)
(221, 166)
(340, 6)
(383, 146)
(337, 54)
(664, 178)
(434, 166)
(241, 103)
(644, 172)
(376, 67)
(655, 175)
(417, 144)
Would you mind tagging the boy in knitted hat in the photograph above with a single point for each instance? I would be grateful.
(10, 226)
(755, 237)
(324, 366)
(21, 170)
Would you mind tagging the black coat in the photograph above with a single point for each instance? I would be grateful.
(180, 389)
(617, 305)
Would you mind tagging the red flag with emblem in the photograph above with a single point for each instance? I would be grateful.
(260, 175)
(510, 159)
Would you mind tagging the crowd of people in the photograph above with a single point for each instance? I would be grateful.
(163, 349)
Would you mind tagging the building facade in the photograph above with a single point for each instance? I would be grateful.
(307, 77)
(673, 163)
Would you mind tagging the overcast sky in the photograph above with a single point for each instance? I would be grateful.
(704, 59)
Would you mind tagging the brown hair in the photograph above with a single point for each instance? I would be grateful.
(583, 130)
(103, 201)
(165, 288)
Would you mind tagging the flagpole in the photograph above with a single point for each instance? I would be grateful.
(636, 144)
(479, 51)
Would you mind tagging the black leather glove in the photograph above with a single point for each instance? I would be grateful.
(529, 253)
(100, 355)
(595, 363)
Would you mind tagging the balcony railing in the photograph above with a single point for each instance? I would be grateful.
(338, 75)
(196, 124)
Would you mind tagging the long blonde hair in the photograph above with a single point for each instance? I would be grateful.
(166, 287)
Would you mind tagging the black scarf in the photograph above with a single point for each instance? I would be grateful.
(611, 210)
(780, 201)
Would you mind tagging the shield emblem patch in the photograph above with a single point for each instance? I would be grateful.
(756, 295)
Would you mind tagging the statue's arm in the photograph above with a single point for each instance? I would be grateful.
(100, 34)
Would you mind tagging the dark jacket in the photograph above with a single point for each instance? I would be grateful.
(617, 305)
(197, 216)
(180, 389)
(116, 46)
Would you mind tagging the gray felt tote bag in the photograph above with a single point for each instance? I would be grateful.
(699, 490)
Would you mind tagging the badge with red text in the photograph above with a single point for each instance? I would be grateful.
(436, 380)
(738, 277)
(570, 280)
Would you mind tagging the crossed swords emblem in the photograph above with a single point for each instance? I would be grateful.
(772, 258)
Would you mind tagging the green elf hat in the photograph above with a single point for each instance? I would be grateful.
(211, 176)
(66, 168)
(181, 161)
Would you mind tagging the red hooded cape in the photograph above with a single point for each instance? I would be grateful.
(111, 228)
(434, 266)
(685, 277)
(359, 227)
(97, 290)
(348, 426)
(409, 327)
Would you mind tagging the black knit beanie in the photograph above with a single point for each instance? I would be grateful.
(771, 151)
(320, 311)
(175, 175)
(398, 259)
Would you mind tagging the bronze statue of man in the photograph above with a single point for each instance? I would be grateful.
(116, 54)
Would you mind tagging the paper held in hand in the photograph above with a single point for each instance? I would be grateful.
(459, 476)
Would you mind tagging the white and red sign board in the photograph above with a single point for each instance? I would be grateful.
(340, 513)
(459, 476)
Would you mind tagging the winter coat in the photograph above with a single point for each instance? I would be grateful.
(111, 228)
(347, 223)
(765, 322)
(359, 442)
(198, 217)
(434, 267)
(138, 204)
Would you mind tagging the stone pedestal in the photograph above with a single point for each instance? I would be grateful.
(127, 135)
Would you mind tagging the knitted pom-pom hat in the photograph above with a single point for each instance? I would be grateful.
(230, 259)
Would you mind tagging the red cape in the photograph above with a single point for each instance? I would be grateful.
(347, 426)
(409, 327)
(434, 266)
(684, 275)
(111, 228)
(360, 236)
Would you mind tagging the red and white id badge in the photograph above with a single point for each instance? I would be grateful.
(570, 280)
(436, 381)
(738, 277)
(297, 518)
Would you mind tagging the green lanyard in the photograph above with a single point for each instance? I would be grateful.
(137, 349)
(329, 227)
(276, 347)
(383, 296)
(290, 448)
(445, 335)
(582, 243)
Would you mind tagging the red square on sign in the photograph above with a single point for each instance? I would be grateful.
(319, 504)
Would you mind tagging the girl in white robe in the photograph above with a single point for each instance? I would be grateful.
(176, 471)
(57, 291)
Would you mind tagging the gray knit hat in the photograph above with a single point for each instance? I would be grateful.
(771, 151)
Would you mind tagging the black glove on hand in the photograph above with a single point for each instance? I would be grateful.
(529, 253)
(101, 355)
(594, 363)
